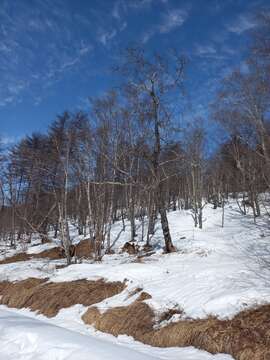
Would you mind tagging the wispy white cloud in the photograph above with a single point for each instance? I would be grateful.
(85, 49)
(243, 23)
(171, 20)
(122, 7)
(229, 50)
(123, 26)
(105, 36)
(38, 45)
(5, 100)
(116, 10)
(148, 34)
(138, 4)
(202, 50)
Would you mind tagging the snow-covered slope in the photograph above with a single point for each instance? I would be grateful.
(26, 338)
(214, 272)
(22, 337)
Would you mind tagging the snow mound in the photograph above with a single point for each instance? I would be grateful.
(27, 338)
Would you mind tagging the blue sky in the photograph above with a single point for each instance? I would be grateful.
(54, 54)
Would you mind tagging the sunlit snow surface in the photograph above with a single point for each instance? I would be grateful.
(26, 338)
(214, 272)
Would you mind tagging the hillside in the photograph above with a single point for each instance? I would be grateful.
(214, 274)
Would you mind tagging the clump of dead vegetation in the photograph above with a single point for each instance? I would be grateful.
(168, 314)
(130, 248)
(84, 249)
(15, 258)
(245, 337)
(48, 298)
(136, 320)
(143, 294)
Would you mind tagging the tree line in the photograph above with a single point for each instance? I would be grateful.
(126, 159)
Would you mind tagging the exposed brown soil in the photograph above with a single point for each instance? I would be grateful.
(245, 337)
(83, 250)
(48, 298)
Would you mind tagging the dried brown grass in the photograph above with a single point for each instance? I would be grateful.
(83, 250)
(48, 298)
(130, 248)
(3, 286)
(135, 320)
(52, 254)
(144, 296)
(15, 258)
(135, 292)
(168, 314)
(245, 337)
